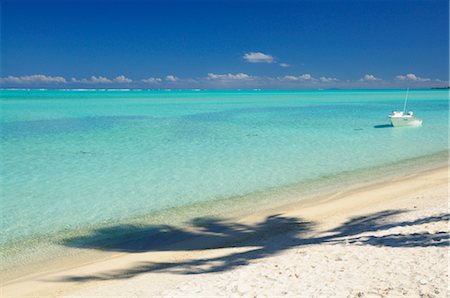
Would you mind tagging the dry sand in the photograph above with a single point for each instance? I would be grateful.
(384, 240)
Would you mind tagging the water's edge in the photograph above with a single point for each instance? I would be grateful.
(53, 248)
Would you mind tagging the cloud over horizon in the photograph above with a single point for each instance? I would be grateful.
(328, 79)
(122, 79)
(411, 77)
(303, 77)
(308, 78)
(369, 78)
(171, 78)
(32, 79)
(229, 76)
(102, 80)
(99, 79)
(230, 80)
(152, 80)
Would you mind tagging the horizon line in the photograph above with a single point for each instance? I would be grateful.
(202, 89)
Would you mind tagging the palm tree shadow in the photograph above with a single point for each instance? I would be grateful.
(354, 229)
(204, 233)
(201, 233)
(269, 237)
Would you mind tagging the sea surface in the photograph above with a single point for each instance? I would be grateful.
(72, 161)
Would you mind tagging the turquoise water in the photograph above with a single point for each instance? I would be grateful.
(71, 160)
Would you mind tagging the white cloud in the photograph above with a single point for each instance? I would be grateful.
(152, 80)
(30, 79)
(225, 80)
(258, 57)
(284, 65)
(303, 77)
(99, 79)
(369, 78)
(171, 78)
(411, 77)
(102, 80)
(290, 78)
(122, 79)
(229, 76)
(308, 78)
(328, 79)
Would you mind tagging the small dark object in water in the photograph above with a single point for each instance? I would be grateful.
(382, 126)
(84, 152)
(252, 135)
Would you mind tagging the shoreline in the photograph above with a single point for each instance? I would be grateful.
(52, 281)
(312, 190)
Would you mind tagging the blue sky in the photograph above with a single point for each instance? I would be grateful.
(224, 44)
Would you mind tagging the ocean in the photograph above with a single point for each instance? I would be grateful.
(74, 161)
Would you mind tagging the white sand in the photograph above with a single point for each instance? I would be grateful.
(386, 240)
(394, 261)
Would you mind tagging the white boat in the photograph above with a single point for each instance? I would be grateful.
(401, 119)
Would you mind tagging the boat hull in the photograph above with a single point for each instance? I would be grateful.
(405, 121)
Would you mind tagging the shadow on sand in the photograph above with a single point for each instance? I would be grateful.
(269, 237)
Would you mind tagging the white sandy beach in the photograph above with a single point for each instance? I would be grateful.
(384, 240)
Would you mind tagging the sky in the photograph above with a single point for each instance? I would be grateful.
(224, 44)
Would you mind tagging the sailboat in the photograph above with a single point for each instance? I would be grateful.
(404, 119)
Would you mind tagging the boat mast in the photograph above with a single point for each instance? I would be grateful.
(406, 99)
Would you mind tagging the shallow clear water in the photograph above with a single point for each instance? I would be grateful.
(77, 159)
